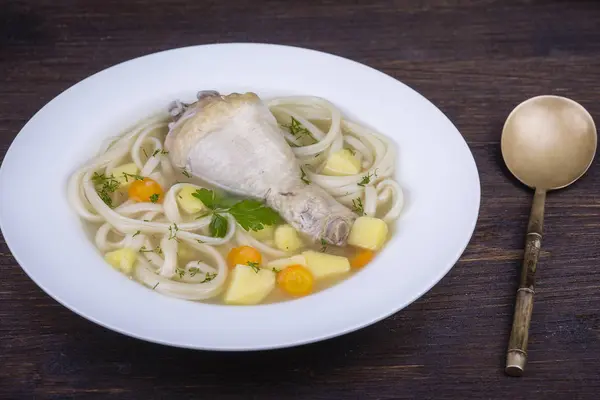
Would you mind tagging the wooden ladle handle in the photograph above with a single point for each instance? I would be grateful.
(516, 356)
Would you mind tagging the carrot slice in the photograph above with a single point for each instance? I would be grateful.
(296, 280)
(244, 255)
(362, 258)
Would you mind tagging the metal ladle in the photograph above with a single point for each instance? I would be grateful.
(548, 142)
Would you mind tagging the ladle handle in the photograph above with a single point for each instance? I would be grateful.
(517, 345)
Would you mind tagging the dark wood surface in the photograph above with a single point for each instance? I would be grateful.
(473, 59)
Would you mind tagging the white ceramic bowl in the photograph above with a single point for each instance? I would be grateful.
(435, 168)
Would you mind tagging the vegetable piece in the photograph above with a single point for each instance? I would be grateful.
(188, 202)
(250, 214)
(254, 215)
(296, 280)
(264, 234)
(287, 239)
(248, 287)
(341, 163)
(126, 174)
(218, 226)
(368, 233)
(323, 265)
(243, 255)
(207, 197)
(362, 258)
(283, 263)
(146, 190)
(122, 259)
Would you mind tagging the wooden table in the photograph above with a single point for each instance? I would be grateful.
(475, 60)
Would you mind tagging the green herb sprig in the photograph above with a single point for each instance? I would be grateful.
(357, 206)
(367, 178)
(297, 129)
(173, 229)
(254, 266)
(250, 214)
(323, 245)
(134, 177)
(106, 185)
(209, 276)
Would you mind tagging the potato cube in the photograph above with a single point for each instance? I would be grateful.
(341, 163)
(264, 234)
(123, 173)
(249, 286)
(188, 202)
(368, 233)
(283, 263)
(323, 265)
(122, 259)
(287, 239)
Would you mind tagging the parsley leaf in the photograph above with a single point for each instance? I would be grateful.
(250, 214)
(218, 226)
(207, 197)
(154, 197)
(254, 215)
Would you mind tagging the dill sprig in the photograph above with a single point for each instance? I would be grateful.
(297, 129)
(209, 277)
(357, 206)
(173, 232)
(254, 266)
(106, 185)
(323, 245)
(135, 177)
(367, 178)
(156, 250)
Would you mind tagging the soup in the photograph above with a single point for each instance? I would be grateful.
(237, 201)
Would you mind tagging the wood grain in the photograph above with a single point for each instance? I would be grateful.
(475, 60)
